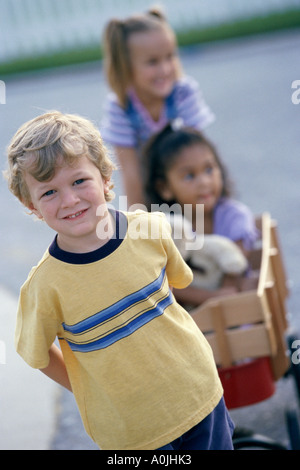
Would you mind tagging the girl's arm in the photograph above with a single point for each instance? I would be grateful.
(56, 368)
(131, 171)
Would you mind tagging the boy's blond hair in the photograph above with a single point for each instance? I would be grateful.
(116, 50)
(40, 145)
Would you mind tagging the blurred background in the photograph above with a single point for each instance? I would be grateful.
(245, 56)
(40, 33)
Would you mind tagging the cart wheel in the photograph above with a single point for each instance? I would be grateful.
(293, 428)
(293, 341)
(257, 442)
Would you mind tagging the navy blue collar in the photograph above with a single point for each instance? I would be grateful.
(120, 231)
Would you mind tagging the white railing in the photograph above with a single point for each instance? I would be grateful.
(34, 27)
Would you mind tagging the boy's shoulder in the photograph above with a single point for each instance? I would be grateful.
(42, 273)
(144, 215)
(143, 224)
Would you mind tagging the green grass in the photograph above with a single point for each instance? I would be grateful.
(248, 27)
(51, 60)
(265, 24)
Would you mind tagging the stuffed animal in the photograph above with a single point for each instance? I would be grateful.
(209, 256)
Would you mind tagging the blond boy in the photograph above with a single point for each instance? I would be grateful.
(142, 373)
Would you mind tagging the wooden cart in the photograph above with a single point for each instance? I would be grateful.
(247, 331)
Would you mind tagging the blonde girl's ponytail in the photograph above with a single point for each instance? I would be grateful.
(157, 12)
(117, 61)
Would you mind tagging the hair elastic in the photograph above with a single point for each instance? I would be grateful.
(177, 124)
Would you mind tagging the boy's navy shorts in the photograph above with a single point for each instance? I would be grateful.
(213, 433)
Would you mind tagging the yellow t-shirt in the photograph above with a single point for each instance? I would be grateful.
(141, 371)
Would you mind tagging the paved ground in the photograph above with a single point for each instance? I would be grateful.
(248, 85)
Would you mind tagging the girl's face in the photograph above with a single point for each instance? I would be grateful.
(154, 63)
(194, 178)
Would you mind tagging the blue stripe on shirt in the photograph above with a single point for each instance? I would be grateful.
(118, 308)
(125, 331)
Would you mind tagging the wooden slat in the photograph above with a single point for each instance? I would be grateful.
(245, 343)
(239, 309)
(280, 362)
(251, 324)
(221, 335)
(279, 270)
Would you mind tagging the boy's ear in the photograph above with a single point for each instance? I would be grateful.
(35, 211)
(163, 190)
(106, 185)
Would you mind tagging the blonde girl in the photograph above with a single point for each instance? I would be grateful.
(148, 90)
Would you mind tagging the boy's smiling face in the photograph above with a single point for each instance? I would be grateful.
(68, 203)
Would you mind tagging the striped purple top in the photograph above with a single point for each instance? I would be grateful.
(118, 127)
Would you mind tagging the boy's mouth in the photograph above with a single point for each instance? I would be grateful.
(77, 214)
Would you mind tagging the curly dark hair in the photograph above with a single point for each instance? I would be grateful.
(160, 153)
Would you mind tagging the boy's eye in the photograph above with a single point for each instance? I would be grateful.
(48, 193)
(79, 181)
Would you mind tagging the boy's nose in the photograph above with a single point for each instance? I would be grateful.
(69, 198)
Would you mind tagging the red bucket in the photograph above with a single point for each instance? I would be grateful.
(248, 383)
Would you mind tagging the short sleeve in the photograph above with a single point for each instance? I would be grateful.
(36, 327)
(179, 273)
(235, 221)
(191, 106)
(116, 127)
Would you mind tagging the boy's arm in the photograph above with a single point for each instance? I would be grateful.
(56, 368)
